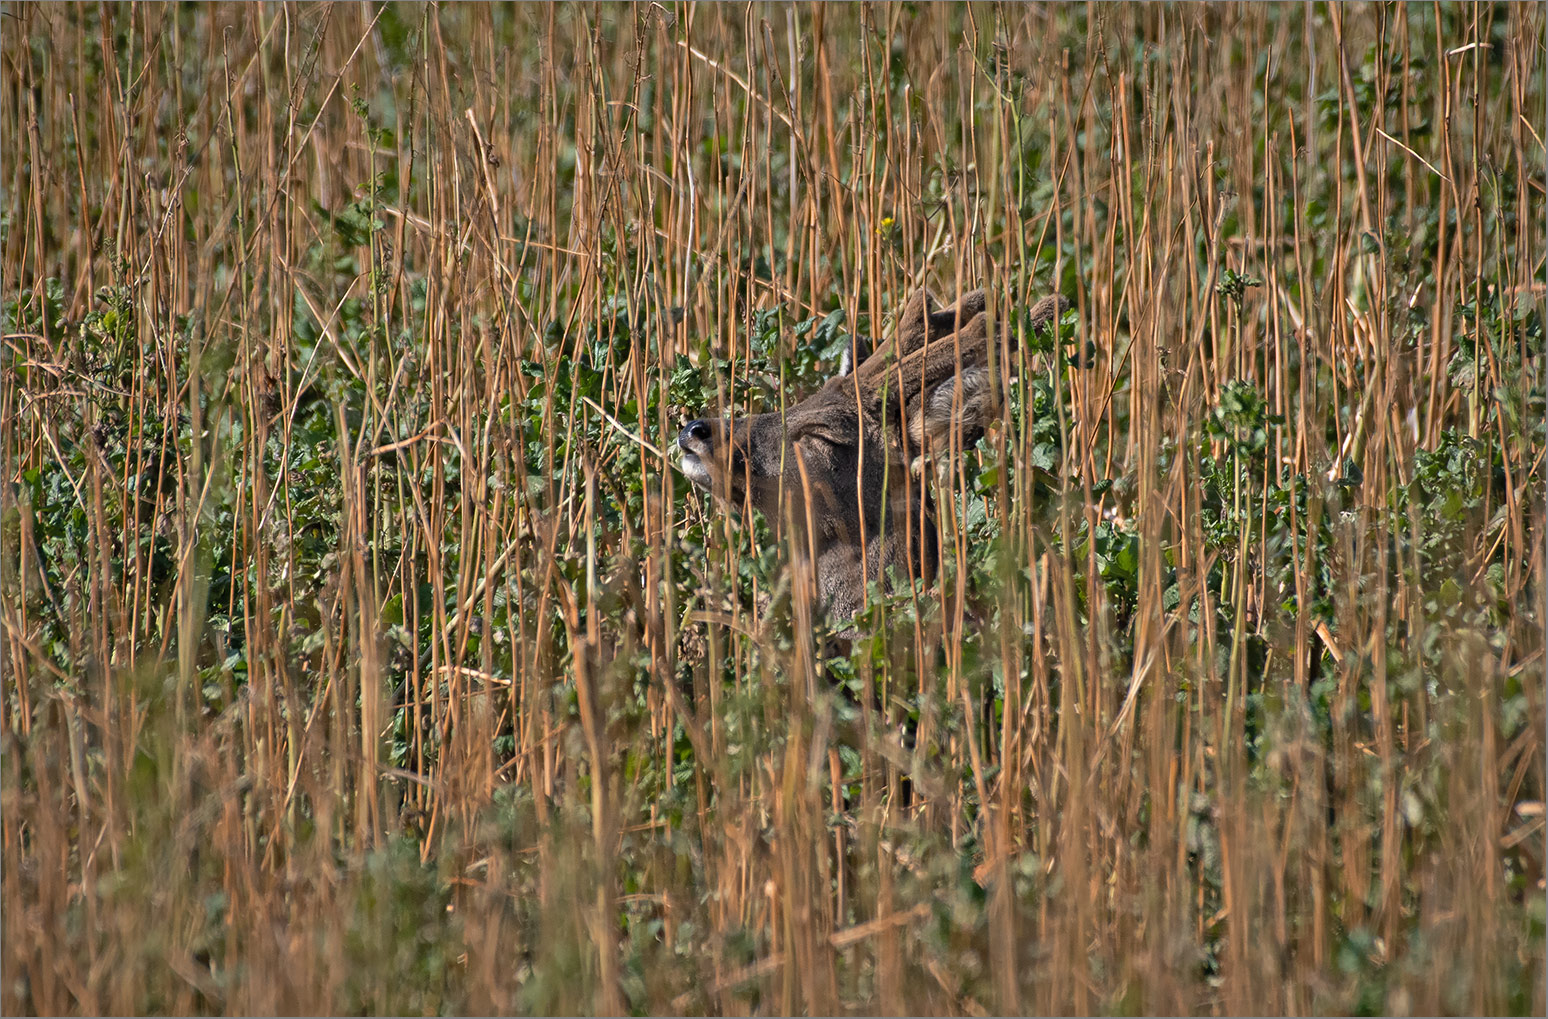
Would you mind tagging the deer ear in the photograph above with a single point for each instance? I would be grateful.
(949, 320)
(909, 374)
(954, 414)
(1048, 310)
(948, 355)
(914, 329)
(916, 323)
(902, 380)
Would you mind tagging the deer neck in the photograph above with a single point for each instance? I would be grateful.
(844, 552)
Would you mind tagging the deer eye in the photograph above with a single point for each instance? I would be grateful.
(820, 433)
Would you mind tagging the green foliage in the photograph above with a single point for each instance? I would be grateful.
(365, 651)
(1233, 286)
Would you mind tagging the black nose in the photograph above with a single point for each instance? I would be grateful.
(697, 431)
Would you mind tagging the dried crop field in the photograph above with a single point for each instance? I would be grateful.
(365, 650)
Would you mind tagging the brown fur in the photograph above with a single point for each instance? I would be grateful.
(835, 467)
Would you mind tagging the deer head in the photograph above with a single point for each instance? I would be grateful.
(835, 467)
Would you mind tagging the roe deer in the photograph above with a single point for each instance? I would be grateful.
(836, 466)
